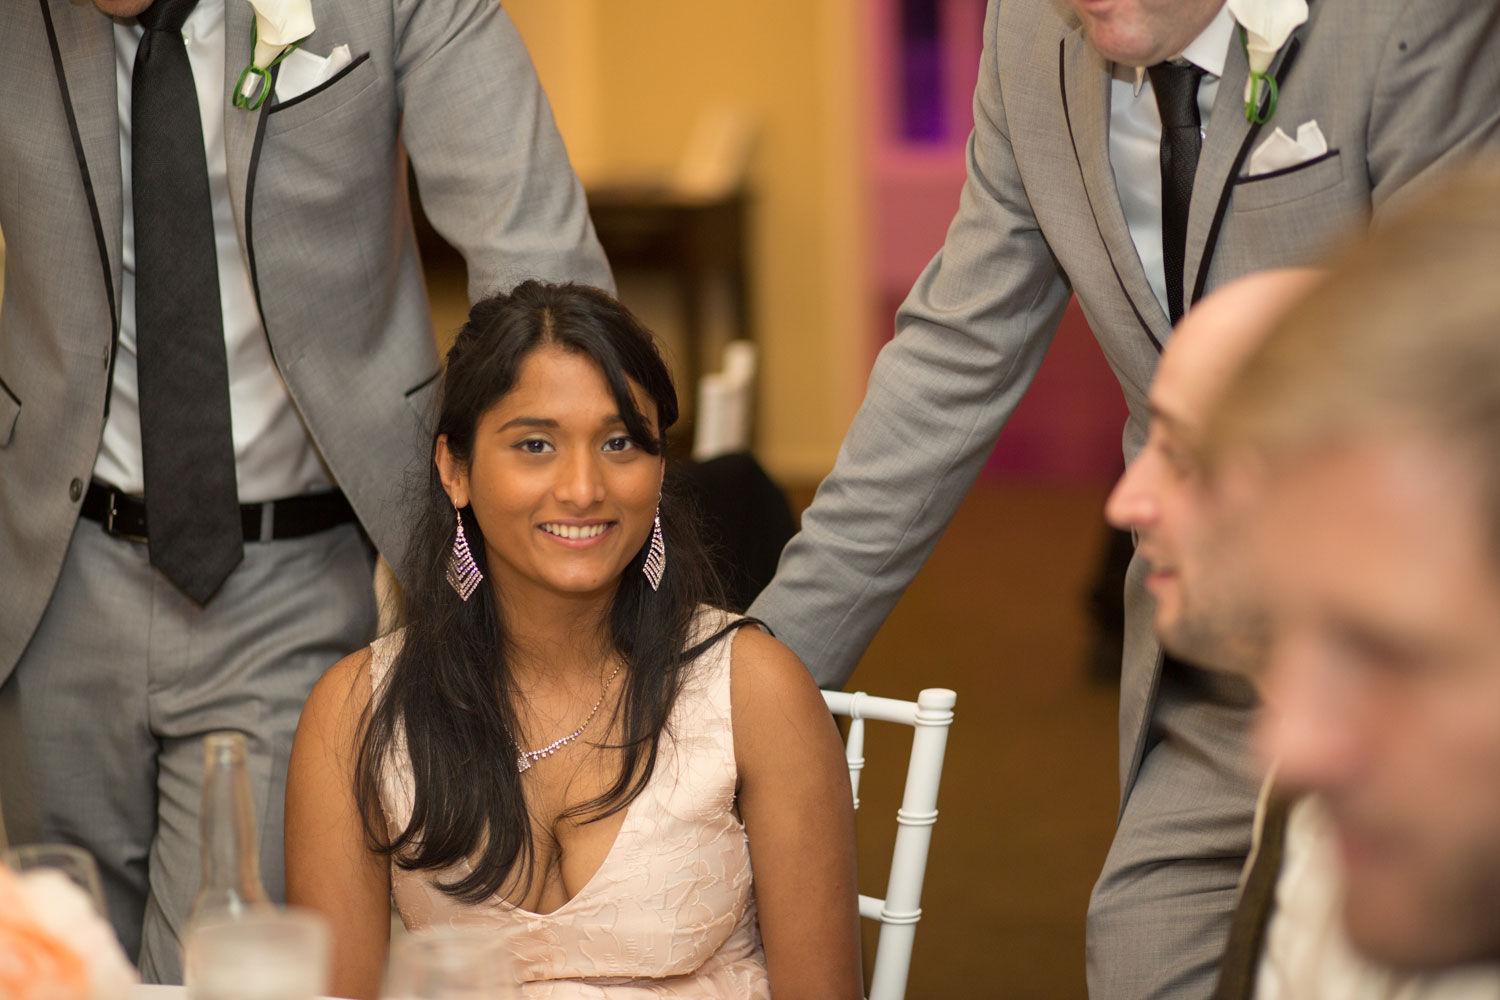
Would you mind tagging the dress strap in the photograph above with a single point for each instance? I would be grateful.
(699, 739)
(382, 655)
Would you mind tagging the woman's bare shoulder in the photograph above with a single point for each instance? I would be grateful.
(341, 696)
(769, 685)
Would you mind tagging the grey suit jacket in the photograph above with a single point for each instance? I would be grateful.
(318, 185)
(1400, 88)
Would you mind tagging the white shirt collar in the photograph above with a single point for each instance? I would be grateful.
(1208, 51)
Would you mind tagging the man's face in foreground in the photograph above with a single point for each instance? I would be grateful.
(1166, 499)
(1384, 687)
(1143, 32)
(1183, 522)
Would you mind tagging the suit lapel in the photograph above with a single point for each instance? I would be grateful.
(83, 58)
(1230, 136)
(244, 134)
(239, 125)
(1227, 132)
(1085, 85)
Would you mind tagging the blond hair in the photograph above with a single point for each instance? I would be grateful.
(1402, 338)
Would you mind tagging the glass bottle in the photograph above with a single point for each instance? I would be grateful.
(231, 850)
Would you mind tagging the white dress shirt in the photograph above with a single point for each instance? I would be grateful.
(1306, 954)
(274, 456)
(1135, 141)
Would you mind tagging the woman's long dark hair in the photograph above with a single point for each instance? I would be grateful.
(450, 687)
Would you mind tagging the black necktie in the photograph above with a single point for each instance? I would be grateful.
(1176, 89)
(192, 504)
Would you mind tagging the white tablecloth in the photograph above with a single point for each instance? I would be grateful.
(146, 992)
(143, 991)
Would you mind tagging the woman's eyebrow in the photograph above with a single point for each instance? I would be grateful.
(528, 422)
(548, 422)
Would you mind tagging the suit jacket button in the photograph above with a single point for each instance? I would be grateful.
(75, 489)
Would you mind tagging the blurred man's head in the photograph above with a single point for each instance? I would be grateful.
(1143, 32)
(1201, 612)
(1371, 421)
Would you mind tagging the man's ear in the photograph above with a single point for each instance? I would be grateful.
(452, 472)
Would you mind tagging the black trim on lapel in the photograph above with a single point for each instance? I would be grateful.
(88, 190)
(1062, 86)
(260, 135)
(1199, 283)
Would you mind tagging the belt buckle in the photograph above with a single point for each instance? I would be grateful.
(109, 523)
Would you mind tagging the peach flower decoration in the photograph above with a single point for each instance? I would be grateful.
(53, 945)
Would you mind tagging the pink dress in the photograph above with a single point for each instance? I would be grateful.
(671, 912)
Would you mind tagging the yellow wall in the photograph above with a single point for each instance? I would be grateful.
(627, 79)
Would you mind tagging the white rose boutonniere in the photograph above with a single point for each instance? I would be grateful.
(279, 26)
(1265, 25)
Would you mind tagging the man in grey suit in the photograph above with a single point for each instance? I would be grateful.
(130, 624)
(1084, 176)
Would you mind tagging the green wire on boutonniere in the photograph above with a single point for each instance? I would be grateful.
(1258, 111)
(1264, 27)
(254, 84)
(280, 25)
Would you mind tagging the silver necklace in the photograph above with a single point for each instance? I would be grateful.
(524, 758)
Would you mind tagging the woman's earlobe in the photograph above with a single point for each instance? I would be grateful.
(451, 472)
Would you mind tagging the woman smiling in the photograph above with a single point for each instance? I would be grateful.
(568, 740)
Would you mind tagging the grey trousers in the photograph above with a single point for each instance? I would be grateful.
(1159, 916)
(125, 675)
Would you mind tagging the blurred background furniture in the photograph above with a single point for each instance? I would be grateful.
(697, 243)
(745, 518)
(689, 228)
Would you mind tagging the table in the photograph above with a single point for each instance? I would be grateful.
(151, 991)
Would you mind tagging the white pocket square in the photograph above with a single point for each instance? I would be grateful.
(302, 70)
(1280, 151)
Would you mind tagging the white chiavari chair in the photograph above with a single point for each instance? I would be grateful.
(930, 716)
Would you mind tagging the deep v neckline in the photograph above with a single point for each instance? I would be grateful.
(379, 675)
(609, 855)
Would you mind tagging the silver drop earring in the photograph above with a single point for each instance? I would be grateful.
(656, 556)
(463, 575)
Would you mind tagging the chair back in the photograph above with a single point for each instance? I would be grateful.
(931, 716)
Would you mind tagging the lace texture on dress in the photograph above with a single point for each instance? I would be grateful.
(671, 912)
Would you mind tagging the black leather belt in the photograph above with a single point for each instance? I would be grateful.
(124, 516)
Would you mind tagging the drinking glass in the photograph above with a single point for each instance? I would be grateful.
(74, 862)
(279, 953)
(451, 963)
